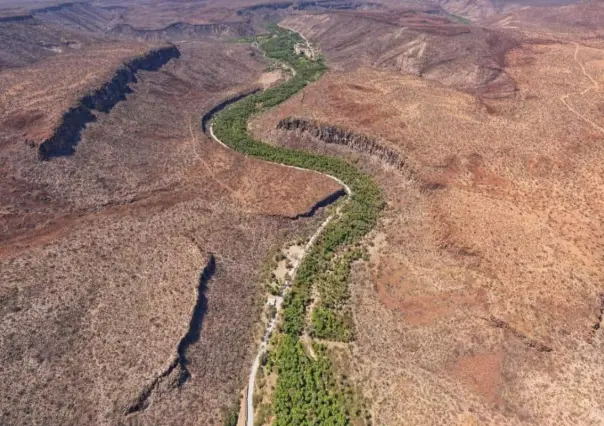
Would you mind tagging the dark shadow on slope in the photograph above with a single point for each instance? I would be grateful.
(330, 199)
(180, 362)
(194, 330)
(69, 132)
(207, 117)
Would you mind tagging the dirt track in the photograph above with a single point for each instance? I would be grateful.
(564, 98)
(278, 300)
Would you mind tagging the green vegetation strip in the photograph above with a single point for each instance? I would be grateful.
(459, 19)
(306, 392)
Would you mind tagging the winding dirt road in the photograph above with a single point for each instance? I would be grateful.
(277, 301)
(595, 86)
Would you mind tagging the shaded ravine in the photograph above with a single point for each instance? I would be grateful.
(179, 364)
(68, 134)
(194, 330)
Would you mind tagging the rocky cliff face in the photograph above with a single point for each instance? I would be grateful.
(207, 117)
(16, 18)
(337, 5)
(265, 7)
(182, 30)
(309, 5)
(74, 121)
(332, 134)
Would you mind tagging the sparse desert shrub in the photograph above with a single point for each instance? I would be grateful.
(271, 312)
(231, 415)
(257, 399)
(264, 414)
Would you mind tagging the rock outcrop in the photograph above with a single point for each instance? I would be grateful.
(68, 133)
(336, 5)
(16, 18)
(265, 7)
(183, 30)
(336, 135)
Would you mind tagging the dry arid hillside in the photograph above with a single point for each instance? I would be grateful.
(482, 299)
(579, 21)
(102, 253)
(411, 42)
(129, 267)
(135, 249)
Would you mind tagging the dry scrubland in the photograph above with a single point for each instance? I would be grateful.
(482, 298)
(431, 46)
(481, 301)
(101, 252)
(581, 20)
(157, 14)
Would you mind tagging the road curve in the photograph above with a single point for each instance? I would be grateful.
(278, 300)
(564, 98)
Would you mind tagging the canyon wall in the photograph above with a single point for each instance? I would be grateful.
(68, 133)
(183, 30)
(336, 135)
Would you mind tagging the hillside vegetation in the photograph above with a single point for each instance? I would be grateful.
(306, 391)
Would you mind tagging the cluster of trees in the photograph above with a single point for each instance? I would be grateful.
(306, 392)
(331, 319)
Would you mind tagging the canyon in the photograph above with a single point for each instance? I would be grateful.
(67, 135)
(103, 250)
(159, 267)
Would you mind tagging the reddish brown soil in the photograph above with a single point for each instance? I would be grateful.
(482, 299)
(481, 373)
(102, 251)
(484, 284)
